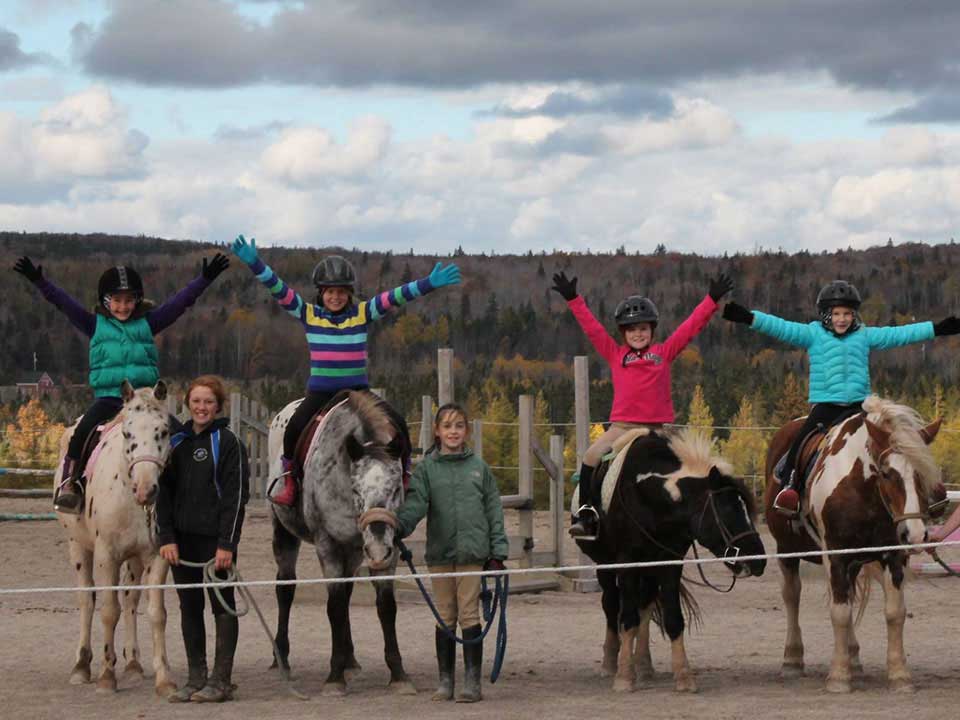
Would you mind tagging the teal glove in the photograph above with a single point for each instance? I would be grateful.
(246, 251)
(442, 276)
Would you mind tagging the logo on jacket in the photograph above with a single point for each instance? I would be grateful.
(200, 454)
(634, 356)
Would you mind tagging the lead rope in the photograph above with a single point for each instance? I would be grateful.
(233, 575)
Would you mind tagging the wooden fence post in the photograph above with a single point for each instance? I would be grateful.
(581, 399)
(426, 422)
(235, 413)
(525, 486)
(444, 376)
(477, 438)
(557, 509)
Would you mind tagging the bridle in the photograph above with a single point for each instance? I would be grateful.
(897, 519)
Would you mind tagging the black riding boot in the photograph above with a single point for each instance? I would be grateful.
(585, 527)
(69, 496)
(220, 686)
(195, 644)
(472, 666)
(446, 659)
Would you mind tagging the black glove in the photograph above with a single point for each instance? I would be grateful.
(720, 286)
(495, 564)
(33, 273)
(567, 288)
(947, 326)
(737, 313)
(214, 267)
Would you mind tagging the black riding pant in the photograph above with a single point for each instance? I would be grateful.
(314, 401)
(197, 548)
(824, 414)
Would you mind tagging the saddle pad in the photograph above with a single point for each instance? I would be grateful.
(314, 429)
(106, 432)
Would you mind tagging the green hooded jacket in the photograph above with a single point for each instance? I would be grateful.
(459, 497)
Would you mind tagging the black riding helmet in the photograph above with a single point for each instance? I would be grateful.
(838, 293)
(334, 271)
(636, 309)
(117, 278)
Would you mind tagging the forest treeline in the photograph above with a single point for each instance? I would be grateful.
(510, 333)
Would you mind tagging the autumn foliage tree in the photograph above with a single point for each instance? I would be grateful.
(32, 440)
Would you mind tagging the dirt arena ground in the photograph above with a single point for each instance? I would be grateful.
(553, 659)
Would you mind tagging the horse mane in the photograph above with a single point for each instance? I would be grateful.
(694, 450)
(373, 414)
(904, 425)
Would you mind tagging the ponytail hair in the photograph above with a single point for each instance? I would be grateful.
(450, 408)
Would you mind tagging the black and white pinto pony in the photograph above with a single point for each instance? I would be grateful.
(662, 492)
(352, 484)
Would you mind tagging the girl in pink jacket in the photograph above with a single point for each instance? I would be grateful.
(641, 373)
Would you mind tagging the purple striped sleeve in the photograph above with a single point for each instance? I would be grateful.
(80, 318)
(165, 315)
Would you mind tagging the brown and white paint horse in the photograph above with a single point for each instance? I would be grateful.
(116, 527)
(869, 487)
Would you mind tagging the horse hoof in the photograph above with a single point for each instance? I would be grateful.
(133, 672)
(838, 686)
(902, 685)
(403, 687)
(80, 675)
(274, 666)
(165, 689)
(107, 683)
(351, 671)
(622, 685)
(791, 672)
(334, 689)
(608, 671)
(686, 685)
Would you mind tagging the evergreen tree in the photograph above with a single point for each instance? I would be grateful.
(699, 415)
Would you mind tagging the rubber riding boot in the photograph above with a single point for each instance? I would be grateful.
(787, 501)
(585, 527)
(446, 659)
(287, 495)
(196, 680)
(219, 687)
(472, 666)
(69, 496)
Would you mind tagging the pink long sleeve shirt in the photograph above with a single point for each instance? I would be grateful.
(641, 381)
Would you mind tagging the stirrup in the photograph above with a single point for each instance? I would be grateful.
(579, 530)
(783, 509)
(74, 500)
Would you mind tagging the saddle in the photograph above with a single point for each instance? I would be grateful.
(91, 449)
(810, 449)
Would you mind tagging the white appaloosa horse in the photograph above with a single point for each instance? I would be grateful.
(116, 526)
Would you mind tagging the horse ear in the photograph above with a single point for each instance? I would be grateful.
(354, 448)
(715, 477)
(160, 390)
(126, 390)
(929, 433)
(880, 437)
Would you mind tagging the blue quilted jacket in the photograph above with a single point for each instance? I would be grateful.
(840, 366)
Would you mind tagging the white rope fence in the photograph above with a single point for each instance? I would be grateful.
(517, 571)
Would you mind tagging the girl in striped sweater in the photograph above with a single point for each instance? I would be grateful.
(336, 328)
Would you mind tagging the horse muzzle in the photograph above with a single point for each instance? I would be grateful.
(378, 549)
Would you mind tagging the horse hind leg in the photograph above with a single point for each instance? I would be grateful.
(625, 679)
(400, 682)
(286, 548)
(130, 575)
(643, 662)
(790, 587)
(83, 565)
(610, 601)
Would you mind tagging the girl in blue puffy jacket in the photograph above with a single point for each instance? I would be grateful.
(839, 346)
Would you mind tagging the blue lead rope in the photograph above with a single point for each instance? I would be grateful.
(490, 600)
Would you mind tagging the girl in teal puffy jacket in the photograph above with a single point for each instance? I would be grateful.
(839, 346)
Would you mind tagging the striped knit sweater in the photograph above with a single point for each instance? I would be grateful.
(338, 343)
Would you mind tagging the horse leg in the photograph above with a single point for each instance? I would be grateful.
(338, 614)
(387, 612)
(895, 609)
(610, 601)
(286, 548)
(641, 655)
(133, 670)
(629, 621)
(106, 571)
(156, 575)
(841, 615)
(83, 564)
(353, 666)
(673, 623)
(790, 587)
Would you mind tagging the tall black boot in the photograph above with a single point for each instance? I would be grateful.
(69, 495)
(195, 644)
(585, 527)
(446, 659)
(220, 686)
(472, 666)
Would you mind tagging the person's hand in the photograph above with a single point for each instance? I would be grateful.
(947, 326)
(936, 535)
(737, 313)
(223, 560)
(442, 276)
(170, 553)
(720, 286)
(246, 251)
(494, 565)
(211, 269)
(25, 266)
(566, 287)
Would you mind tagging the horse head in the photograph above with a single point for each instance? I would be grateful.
(906, 474)
(376, 477)
(146, 438)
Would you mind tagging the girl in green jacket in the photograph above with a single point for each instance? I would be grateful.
(457, 493)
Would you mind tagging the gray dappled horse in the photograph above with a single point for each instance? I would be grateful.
(116, 526)
(352, 484)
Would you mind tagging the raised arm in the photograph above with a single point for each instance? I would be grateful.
(595, 332)
(288, 298)
(792, 333)
(80, 318)
(698, 319)
(439, 277)
(164, 316)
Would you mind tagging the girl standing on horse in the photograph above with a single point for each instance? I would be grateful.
(839, 347)
(121, 330)
(200, 510)
(458, 494)
(640, 371)
(336, 328)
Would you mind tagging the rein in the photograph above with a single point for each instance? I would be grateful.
(145, 458)
(377, 514)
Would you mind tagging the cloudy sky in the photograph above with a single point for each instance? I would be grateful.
(497, 125)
